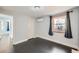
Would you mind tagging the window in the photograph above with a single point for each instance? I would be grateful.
(6, 25)
(59, 23)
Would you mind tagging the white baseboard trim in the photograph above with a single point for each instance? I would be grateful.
(20, 41)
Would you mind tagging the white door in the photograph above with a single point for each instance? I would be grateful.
(6, 33)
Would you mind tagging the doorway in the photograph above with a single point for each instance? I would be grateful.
(6, 33)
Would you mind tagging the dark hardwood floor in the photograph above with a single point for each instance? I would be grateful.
(39, 45)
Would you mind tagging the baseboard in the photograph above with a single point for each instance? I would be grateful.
(20, 41)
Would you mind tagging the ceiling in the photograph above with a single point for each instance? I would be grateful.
(36, 12)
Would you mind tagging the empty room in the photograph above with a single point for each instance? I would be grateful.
(39, 29)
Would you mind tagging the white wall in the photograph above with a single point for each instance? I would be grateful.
(23, 26)
(42, 29)
(78, 27)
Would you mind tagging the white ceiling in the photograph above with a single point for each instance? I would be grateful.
(30, 11)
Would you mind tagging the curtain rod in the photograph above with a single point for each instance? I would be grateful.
(70, 11)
